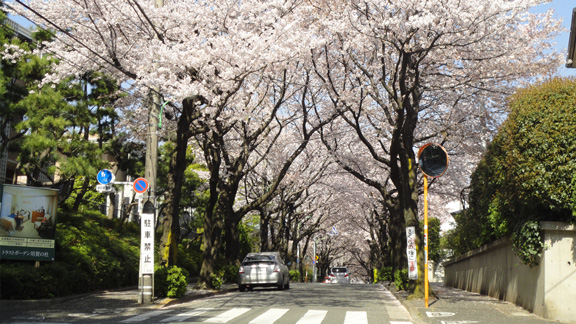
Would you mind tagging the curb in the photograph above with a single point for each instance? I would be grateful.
(412, 309)
(167, 302)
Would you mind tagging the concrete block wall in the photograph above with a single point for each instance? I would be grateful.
(548, 290)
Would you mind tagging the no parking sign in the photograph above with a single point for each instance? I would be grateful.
(140, 185)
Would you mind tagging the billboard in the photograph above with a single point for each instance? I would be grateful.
(27, 222)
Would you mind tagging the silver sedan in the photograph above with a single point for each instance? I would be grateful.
(263, 269)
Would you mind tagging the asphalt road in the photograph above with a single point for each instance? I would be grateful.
(301, 304)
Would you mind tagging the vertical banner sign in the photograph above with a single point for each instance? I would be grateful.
(411, 252)
(147, 244)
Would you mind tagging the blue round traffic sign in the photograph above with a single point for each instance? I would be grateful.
(140, 185)
(105, 176)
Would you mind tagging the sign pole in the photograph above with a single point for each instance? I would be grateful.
(433, 161)
(426, 292)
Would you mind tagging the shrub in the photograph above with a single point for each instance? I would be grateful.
(527, 173)
(528, 243)
(294, 275)
(401, 279)
(229, 273)
(170, 282)
(385, 274)
(216, 280)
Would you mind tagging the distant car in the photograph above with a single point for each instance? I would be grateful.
(263, 269)
(340, 275)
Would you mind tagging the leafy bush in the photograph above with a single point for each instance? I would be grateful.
(385, 274)
(230, 273)
(216, 280)
(190, 256)
(170, 282)
(528, 172)
(401, 279)
(294, 275)
(527, 242)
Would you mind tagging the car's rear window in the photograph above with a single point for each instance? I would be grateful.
(339, 270)
(256, 258)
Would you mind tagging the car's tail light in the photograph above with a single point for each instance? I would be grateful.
(276, 269)
(241, 270)
(346, 275)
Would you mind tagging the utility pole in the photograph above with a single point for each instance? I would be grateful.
(150, 169)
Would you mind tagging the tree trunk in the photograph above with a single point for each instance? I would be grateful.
(212, 222)
(397, 232)
(81, 194)
(212, 243)
(264, 225)
(232, 235)
(171, 219)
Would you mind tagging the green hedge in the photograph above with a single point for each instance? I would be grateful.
(528, 173)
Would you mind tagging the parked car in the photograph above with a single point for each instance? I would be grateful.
(340, 275)
(263, 269)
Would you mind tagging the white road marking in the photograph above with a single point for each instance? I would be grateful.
(227, 316)
(356, 318)
(184, 316)
(313, 317)
(143, 317)
(440, 314)
(270, 316)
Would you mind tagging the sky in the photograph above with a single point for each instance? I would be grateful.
(562, 9)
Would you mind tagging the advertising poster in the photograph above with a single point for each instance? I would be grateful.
(27, 222)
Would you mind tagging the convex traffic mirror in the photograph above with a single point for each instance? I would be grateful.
(433, 160)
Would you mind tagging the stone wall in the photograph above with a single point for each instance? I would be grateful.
(548, 290)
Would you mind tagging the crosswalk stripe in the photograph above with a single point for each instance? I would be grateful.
(184, 316)
(313, 317)
(356, 318)
(270, 316)
(143, 317)
(227, 316)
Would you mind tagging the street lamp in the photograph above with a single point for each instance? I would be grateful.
(571, 58)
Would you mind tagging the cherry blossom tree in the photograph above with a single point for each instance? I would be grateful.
(407, 72)
(400, 73)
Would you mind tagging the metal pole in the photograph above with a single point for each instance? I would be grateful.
(425, 241)
(314, 260)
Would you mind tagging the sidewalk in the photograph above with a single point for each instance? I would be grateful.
(455, 306)
(113, 299)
